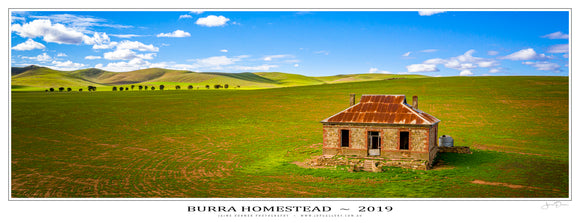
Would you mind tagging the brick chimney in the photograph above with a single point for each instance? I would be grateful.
(352, 99)
(415, 102)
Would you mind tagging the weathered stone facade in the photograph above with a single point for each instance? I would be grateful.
(422, 141)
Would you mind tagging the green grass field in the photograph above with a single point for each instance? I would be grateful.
(244, 144)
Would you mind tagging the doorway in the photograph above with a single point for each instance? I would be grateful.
(374, 143)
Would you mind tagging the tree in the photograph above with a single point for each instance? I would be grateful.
(92, 88)
(132, 86)
(217, 86)
(80, 89)
(152, 88)
(226, 86)
(69, 89)
(114, 88)
(51, 89)
(140, 87)
(146, 87)
(190, 87)
(161, 87)
(177, 87)
(46, 90)
(207, 86)
(61, 89)
(121, 89)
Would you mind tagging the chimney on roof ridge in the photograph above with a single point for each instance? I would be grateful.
(352, 99)
(415, 102)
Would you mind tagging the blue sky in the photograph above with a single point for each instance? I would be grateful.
(313, 43)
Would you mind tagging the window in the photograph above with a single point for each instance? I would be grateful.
(344, 138)
(404, 140)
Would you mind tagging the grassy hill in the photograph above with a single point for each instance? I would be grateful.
(40, 78)
(245, 144)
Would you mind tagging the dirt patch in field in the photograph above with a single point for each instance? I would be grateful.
(503, 149)
(513, 186)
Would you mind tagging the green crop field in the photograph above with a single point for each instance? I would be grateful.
(245, 144)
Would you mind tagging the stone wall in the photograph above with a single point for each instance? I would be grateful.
(421, 141)
(455, 149)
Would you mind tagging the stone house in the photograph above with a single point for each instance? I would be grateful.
(382, 126)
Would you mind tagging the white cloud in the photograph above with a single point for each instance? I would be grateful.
(134, 64)
(136, 45)
(196, 12)
(42, 57)
(488, 63)
(126, 54)
(429, 12)
(212, 20)
(556, 35)
(97, 39)
(216, 62)
(224, 51)
(67, 65)
(296, 65)
(435, 61)
(559, 48)
(264, 67)
(544, 65)
(414, 68)
(177, 33)
(80, 22)
(374, 70)
(406, 54)
(269, 58)
(494, 70)
(126, 36)
(186, 16)
(525, 54)
(429, 50)
(54, 33)
(29, 45)
(465, 73)
(492, 53)
(92, 57)
(61, 55)
(467, 66)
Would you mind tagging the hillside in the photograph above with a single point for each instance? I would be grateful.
(39, 78)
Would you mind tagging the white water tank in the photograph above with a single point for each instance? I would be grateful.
(445, 141)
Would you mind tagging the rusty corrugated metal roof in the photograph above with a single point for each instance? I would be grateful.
(383, 109)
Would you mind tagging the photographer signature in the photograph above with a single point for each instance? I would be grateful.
(555, 204)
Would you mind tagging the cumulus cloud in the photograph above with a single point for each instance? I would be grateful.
(429, 12)
(136, 45)
(126, 54)
(435, 61)
(224, 51)
(186, 16)
(406, 54)
(559, 48)
(134, 64)
(494, 70)
(67, 65)
(92, 57)
(544, 65)
(556, 35)
(525, 54)
(415, 68)
(97, 39)
(465, 73)
(42, 57)
(492, 53)
(54, 33)
(177, 33)
(61, 55)
(212, 20)
(29, 45)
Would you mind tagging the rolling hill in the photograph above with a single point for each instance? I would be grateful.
(39, 78)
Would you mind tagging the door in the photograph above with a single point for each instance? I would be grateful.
(374, 143)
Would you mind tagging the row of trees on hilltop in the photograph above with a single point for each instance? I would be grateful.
(140, 87)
